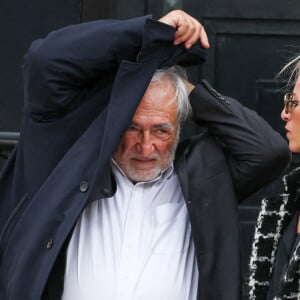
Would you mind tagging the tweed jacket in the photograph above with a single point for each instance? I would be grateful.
(275, 256)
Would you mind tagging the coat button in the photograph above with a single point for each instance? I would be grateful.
(105, 192)
(84, 186)
(50, 244)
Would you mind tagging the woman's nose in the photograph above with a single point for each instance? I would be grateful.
(284, 115)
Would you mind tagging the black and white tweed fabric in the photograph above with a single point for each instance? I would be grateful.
(290, 286)
(274, 216)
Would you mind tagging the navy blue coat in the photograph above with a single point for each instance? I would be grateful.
(82, 85)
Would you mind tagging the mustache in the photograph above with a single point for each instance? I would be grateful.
(141, 157)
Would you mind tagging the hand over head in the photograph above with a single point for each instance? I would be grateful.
(188, 29)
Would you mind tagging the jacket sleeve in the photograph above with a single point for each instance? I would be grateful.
(256, 153)
(71, 63)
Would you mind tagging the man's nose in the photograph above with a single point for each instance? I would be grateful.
(145, 145)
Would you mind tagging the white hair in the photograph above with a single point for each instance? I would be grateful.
(176, 76)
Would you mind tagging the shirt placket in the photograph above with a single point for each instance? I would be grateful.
(128, 268)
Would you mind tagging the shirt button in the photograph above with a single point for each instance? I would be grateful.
(105, 192)
(84, 186)
(50, 244)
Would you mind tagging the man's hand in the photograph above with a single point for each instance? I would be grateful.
(188, 29)
(188, 85)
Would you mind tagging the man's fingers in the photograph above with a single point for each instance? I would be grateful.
(188, 30)
(204, 38)
(184, 31)
(189, 34)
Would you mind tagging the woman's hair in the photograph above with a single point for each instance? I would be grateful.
(176, 76)
(292, 68)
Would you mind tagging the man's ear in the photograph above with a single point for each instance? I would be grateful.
(189, 86)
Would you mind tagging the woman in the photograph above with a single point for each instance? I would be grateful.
(275, 256)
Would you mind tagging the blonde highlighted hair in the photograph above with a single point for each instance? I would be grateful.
(292, 68)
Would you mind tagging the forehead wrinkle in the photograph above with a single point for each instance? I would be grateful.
(157, 105)
(150, 114)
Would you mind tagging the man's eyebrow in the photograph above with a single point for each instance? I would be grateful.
(163, 126)
(156, 126)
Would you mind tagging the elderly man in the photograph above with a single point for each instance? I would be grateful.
(98, 200)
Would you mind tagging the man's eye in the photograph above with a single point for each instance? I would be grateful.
(161, 132)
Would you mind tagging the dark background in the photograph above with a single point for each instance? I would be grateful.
(250, 41)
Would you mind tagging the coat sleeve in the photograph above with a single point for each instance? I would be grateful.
(256, 153)
(69, 64)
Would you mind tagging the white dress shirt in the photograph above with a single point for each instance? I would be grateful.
(136, 245)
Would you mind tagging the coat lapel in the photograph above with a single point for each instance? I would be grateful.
(181, 170)
(129, 87)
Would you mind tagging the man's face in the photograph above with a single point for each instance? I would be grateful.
(148, 146)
